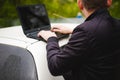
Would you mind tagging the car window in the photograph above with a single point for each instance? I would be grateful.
(16, 63)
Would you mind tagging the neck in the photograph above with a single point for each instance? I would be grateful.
(87, 13)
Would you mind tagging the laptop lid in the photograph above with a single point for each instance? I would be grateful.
(33, 17)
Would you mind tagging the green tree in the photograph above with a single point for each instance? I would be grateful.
(55, 8)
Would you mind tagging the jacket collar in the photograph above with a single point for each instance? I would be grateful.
(97, 12)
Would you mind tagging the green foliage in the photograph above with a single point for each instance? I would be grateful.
(115, 9)
(55, 8)
(62, 8)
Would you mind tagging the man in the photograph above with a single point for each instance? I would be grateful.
(92, 50)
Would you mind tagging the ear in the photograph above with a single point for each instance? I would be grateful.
(109, 3)
(80, 5)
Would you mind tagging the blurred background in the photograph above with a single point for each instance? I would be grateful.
(56, 9)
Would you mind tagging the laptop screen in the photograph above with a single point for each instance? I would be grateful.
(33, 17)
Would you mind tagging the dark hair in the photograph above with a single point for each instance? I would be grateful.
(94, 4)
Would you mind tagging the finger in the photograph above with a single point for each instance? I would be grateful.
(38, 35)
(56, 30)
(55, 27)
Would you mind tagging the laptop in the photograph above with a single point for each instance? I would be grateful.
(34, 18)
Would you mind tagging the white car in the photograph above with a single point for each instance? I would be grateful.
(23, 58)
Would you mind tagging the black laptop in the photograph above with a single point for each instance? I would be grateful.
(34, 18)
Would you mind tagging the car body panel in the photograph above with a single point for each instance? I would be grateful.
(15, 36)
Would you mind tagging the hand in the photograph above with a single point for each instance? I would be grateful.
(46, 34)
(62, 29)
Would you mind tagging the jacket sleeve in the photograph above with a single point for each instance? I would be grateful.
(60, 61)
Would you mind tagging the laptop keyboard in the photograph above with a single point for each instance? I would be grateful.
(34, 35)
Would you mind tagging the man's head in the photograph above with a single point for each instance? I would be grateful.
(94, 4)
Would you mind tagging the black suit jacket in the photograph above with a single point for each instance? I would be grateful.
(91, 53)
